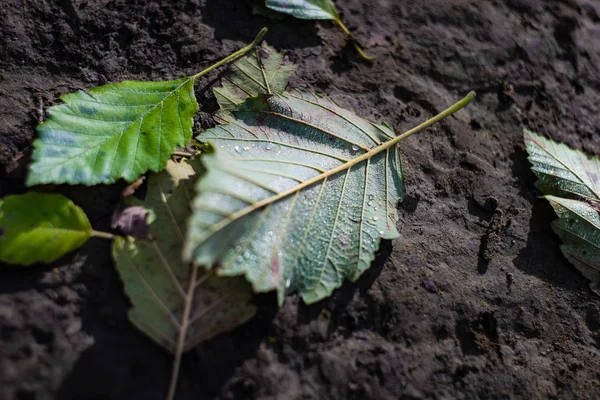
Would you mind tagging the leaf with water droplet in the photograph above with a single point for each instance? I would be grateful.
(571, 181)
(310, 192)
(175, 303)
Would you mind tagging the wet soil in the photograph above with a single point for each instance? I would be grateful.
(473, 301)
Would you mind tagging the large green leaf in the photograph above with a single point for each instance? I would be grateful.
(564, 172)
(116, 131)
(113, 131)
(260, 71)
(174, 303)
(297, 195)
(38, 227)
(305, 9)
(579, 228)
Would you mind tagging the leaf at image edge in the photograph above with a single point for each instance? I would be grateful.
(562, 170)
(40, 227)
(158, 282)
(578, 227)
(305, 9)
(114, 131)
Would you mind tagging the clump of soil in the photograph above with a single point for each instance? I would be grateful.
(473, 301)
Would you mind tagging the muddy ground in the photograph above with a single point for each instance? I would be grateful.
(501, 314)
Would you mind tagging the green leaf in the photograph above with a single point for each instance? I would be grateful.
(38, 227)
(305, 9)
(113, 131)
(578, 227)
(116, 131)
(562, 170)
(260, 71)
(297, 195)
(174, 303)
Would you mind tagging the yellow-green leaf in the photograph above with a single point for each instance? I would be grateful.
(38, 227)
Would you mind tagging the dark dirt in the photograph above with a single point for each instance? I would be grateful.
(474, 301)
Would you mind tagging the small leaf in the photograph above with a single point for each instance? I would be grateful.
(114, 131)
(315, 9)
(260, 71)
(305, 9)
(37, 227)
(172, 299)
(562, 170)
(297, 195)
(578, 227)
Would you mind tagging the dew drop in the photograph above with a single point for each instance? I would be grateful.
(375, 218)
(246, 148)
(269, 146)
(371, 197)
(355, 148)
(270, 233)
(381, 232)
(375, 208)
(238, 149)
(238, 249)
(370, 203)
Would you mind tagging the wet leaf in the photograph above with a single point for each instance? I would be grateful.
(174, 303)
(116, 131)
(571, 181)
(38, 227)
(297, 195)
(314, 9)
(262, 70)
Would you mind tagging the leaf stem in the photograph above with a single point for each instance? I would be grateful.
(182, 154)
(447, 112)
(102, 235)
(235, 55)
(359, 50)
(185, 319)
